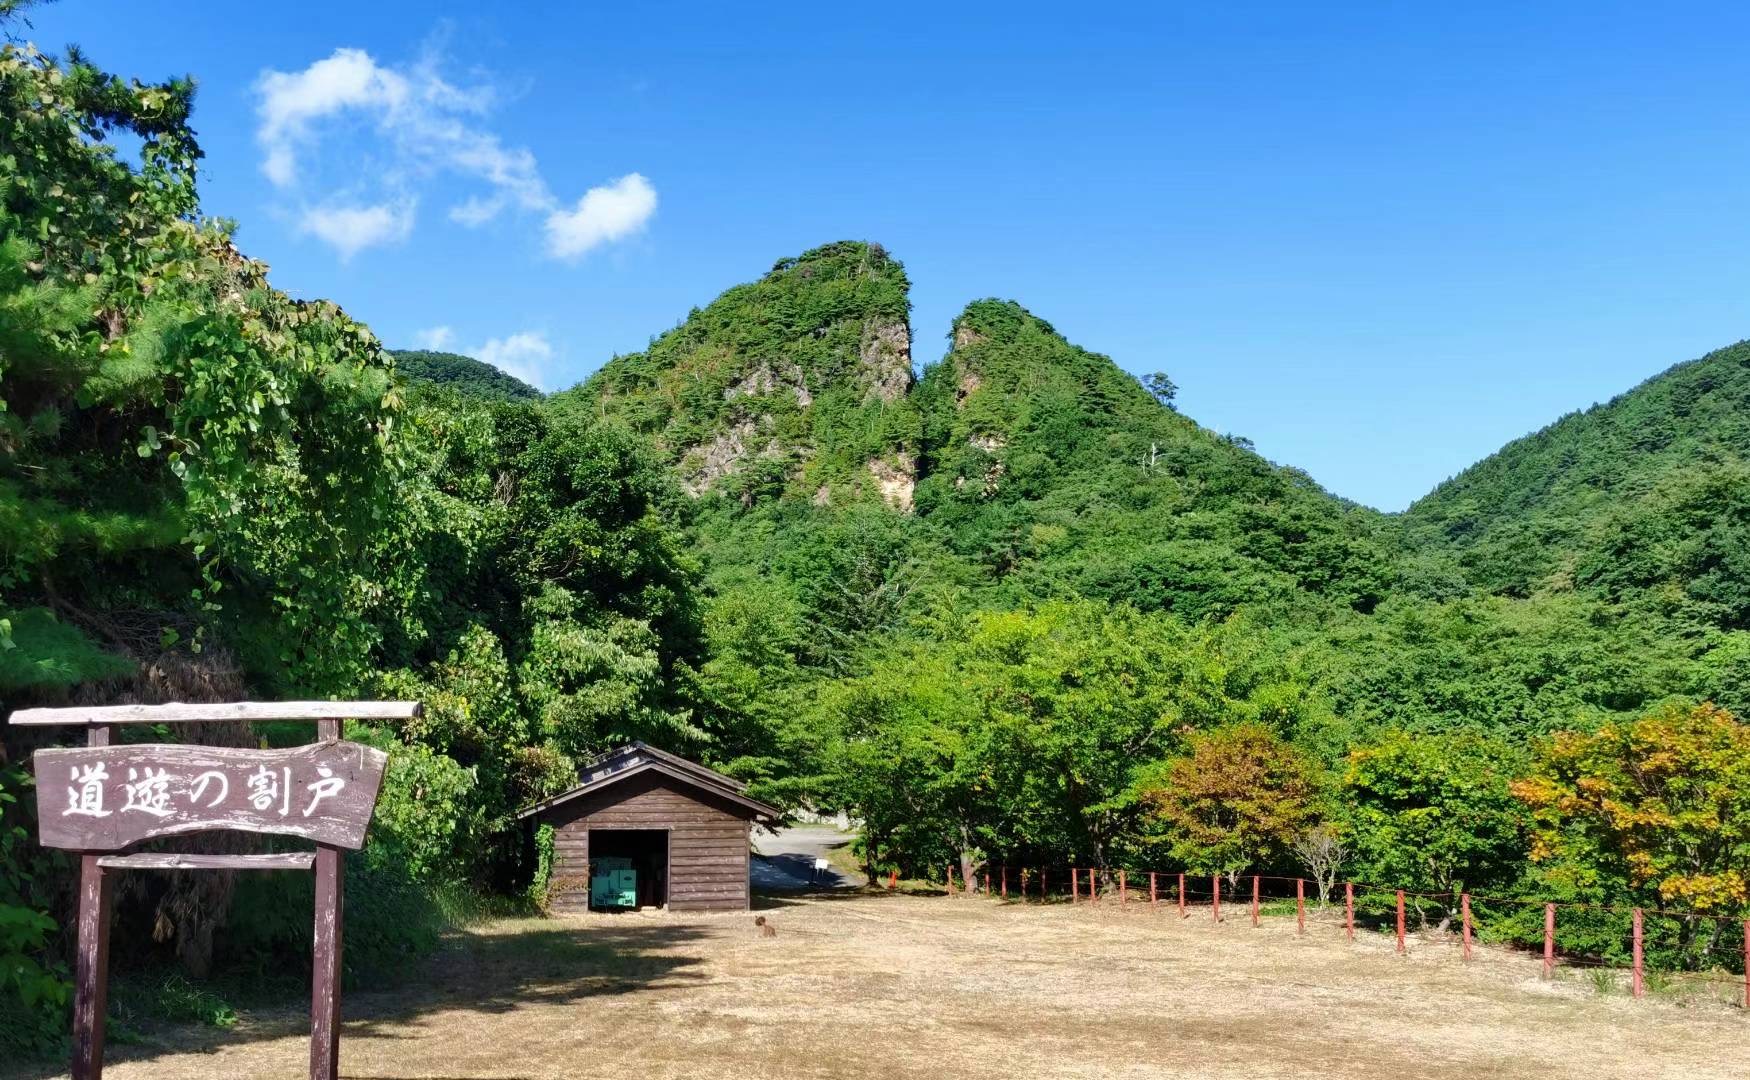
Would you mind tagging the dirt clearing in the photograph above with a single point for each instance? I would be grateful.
(900, 986)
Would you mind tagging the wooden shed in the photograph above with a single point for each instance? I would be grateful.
(685, 829)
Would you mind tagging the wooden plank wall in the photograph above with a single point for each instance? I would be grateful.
(707, 846)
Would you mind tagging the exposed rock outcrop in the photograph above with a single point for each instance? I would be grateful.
(763, 380)
(968, 385)
(703, 466)
(884, 362)
(897, 479)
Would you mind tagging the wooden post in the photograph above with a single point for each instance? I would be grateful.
(1349, 908)
(1638, 988)
(1154, 896)
(893, 879)
(1005, 881)
(1215, 897)
(1400, 920)
(1300, 903)
(950, 879)
(91, 959)
(1123, 890)
(1464, 909)
(1254, 899)
(1182, 912)
(1075, 885)
(1044, 884)
(1093, 886)
(326, 952)
(1549, 940)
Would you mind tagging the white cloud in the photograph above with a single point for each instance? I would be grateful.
(292, 101)
(351, 229)
(524, 355)
(611, 212)
(436, 338)
(426, 125)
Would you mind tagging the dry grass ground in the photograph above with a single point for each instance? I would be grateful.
(913, 986)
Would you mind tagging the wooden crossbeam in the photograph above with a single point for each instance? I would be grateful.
(178, 713)
(293, 860)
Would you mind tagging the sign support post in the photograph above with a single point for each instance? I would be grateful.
(91, 963)
(325, 954)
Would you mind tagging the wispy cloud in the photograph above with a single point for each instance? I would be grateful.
(604, 214)
(427, 125)
(524, 355)
(436, 338)
(351, 229)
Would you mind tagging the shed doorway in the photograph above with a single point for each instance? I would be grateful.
(613, 851)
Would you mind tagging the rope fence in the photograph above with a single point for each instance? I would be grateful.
(1601, 929)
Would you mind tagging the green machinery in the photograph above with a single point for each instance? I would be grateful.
(613, 883)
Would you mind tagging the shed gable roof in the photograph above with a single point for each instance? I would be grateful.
(636, 758)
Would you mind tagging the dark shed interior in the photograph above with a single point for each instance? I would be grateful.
(648, 850)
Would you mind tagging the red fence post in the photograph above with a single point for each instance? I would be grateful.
(1123, 894)
(1075, 885)
(1215, 894)
(1181, 896)
(1154, 896)
(1638, 988)
(1549, 940)
(1254, 899)
(1005, 882)
(1349, 908)
(1400, 920)
(893, 879)
(1093, 886)
(1300, 903)
(1464, 910)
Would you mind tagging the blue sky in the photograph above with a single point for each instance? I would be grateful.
(1377, 240)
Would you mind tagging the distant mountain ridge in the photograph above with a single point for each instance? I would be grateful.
(1030, 458)
(1047, 465)
(463, 374)
(1644, 499)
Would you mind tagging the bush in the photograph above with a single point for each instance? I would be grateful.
(34, 991)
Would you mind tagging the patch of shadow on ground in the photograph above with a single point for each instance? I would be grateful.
(472, 972)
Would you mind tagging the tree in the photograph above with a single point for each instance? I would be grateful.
(908, 761)
(1658, 807)
(1162, 388)
(1433, 813)
(1238, 800)
(1322, 851)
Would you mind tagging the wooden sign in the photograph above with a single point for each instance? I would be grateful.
(107, 798)
(104, 798)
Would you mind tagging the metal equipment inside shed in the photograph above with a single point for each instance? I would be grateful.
(646, 828)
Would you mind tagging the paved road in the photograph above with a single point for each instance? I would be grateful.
(785, 862)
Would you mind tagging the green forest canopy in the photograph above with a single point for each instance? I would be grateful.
(1019, 608)
(463, 374)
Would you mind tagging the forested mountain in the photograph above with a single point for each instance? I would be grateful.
(1058, 473)
(796, 382)
(1644, 500)
(1017, 609)
(463, 374)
